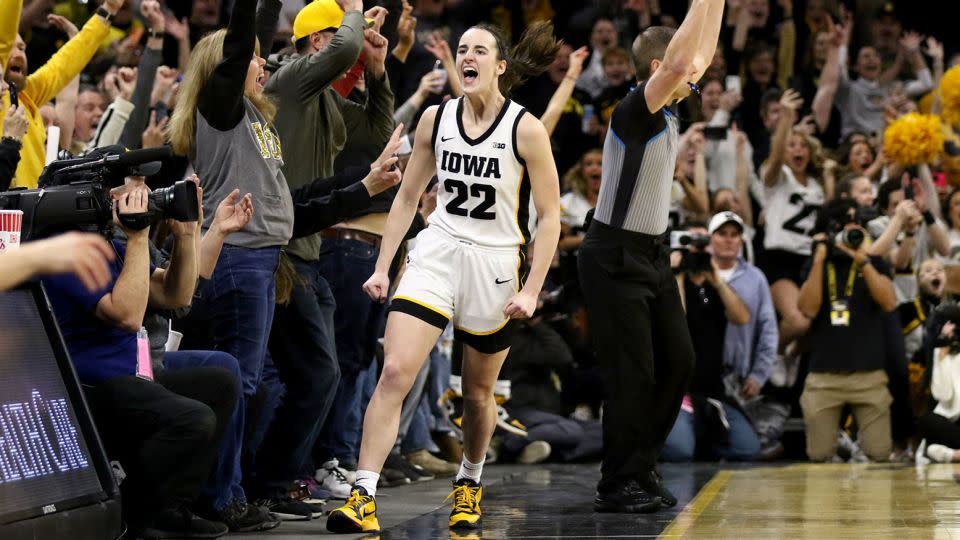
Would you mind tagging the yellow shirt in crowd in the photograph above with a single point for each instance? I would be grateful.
(43, 84)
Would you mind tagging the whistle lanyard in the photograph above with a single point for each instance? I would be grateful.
(832, 280)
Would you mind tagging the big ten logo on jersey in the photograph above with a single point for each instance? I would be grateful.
(268, 140)
(477, 166)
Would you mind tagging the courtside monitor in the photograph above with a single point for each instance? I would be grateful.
(51, 459)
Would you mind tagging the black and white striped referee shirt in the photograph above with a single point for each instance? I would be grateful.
(639, 156)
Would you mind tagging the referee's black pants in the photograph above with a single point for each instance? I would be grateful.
(639, 331)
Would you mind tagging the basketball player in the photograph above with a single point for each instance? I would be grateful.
(468, 264)
(636, 320)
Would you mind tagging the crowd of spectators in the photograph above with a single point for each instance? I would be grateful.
(815, 256)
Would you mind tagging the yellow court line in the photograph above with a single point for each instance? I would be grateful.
(682, 523)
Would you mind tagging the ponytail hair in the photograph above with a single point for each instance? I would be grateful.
(530, 57)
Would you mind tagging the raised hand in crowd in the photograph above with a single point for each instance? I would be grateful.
(177, 29)
(438, 47)
(577, 58)
(910, 41)
(432, 82)
(121, 83)
(350, 5)
(163, 85)
(947, 332)
(694, 136)
(908, 215)
(113, 6)
(730, 100)
(806, 125)
(407, 25)
(384, 174)
(791, 101)
(375, 47)
(378, 14)
(150, 9)
(154, 135)
(63, 24)
(15, 122)
(933, 48)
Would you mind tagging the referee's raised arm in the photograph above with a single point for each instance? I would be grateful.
(686, 57)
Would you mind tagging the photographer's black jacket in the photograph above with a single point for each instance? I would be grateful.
(859, 346)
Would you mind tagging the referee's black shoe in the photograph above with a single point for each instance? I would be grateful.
(653, 483)
(628, 497)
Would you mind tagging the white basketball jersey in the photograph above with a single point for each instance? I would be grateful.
(791, 213)
(484, 193)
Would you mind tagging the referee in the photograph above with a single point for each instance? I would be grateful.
(636, 319)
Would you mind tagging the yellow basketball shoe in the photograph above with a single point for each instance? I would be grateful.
(359, 514)
(466, 497)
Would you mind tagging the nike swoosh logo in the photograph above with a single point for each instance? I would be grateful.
(445, 139)
(504, 281)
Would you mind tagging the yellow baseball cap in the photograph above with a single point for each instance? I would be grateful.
(317, 16)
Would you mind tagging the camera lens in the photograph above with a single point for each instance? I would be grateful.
(851, 238)
(178, 201)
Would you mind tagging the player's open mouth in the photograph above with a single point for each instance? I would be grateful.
(469, 75)
(15, 68)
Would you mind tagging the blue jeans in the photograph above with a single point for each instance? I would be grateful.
(346, 265)
(302, 365)
(224, 482)
(742, 441)
(570, 440)
(418, 434)
(438, 384)
(239, 302)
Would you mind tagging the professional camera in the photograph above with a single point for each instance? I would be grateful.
(683, 240)
(948, 311)
(75, 193)
(695, 259)
(838, 214)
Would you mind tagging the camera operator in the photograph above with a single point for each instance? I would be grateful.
(908, 232)
(86, 256)
(728, 320)
(164, 428)
(847, 294)
(941, 427)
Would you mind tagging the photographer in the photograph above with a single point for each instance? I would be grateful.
(164, 428)
(940, 428)
(728, 320)
(847, 294)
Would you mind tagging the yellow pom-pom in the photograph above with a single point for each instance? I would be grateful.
(913, 139)
(950, 96)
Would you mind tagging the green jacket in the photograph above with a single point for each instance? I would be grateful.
(314, 121)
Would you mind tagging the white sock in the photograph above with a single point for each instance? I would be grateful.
(470, 470)
(368, 481)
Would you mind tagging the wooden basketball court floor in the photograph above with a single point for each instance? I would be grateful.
(791, 501)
